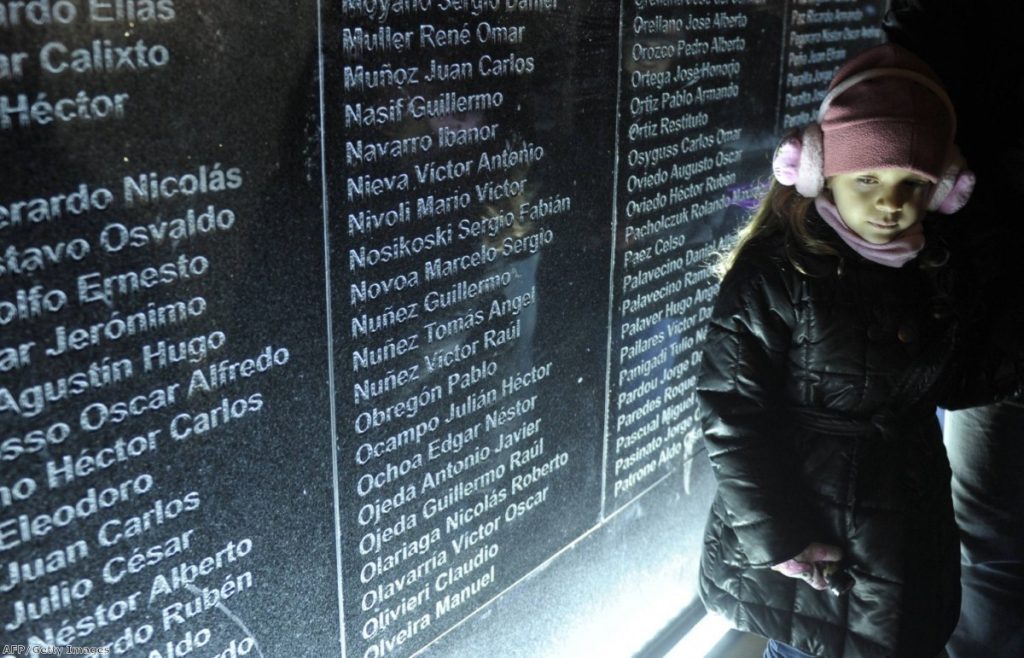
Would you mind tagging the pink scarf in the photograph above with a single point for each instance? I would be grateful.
(892, 254)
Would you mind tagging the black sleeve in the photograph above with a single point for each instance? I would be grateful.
(743, 370)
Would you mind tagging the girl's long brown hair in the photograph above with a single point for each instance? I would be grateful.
(783, 211)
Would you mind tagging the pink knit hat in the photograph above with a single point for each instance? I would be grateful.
(886, 108)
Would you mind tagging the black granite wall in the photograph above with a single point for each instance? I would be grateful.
(371, 327)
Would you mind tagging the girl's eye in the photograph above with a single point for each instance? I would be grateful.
(866, 180)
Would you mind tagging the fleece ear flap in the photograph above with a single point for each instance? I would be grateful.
(786, 161)
(811, 172)
(954, 188)
(798, 161)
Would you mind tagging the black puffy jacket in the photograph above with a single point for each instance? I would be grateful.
(818, 394)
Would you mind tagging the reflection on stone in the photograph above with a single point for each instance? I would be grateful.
(377, 305)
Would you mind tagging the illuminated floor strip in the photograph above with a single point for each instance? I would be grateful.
(701, 639)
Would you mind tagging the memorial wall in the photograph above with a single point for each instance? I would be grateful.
(371, 327)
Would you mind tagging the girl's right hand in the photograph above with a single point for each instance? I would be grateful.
(806, 564)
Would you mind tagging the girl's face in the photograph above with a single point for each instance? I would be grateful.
(880, 204)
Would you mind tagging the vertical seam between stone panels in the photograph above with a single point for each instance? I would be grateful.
(330, 323)
(782, 67)
(611, 274)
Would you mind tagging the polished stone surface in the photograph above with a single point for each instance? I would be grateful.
(370, 327)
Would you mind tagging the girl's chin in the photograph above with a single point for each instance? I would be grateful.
(878, 234)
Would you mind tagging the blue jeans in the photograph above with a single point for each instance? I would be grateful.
(780, 650)
(987, 456)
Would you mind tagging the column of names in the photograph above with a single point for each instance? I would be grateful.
(685, 71)
(115, 359)
(822, 35)
(445, 224)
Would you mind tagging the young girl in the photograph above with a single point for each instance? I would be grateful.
(835, 334)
